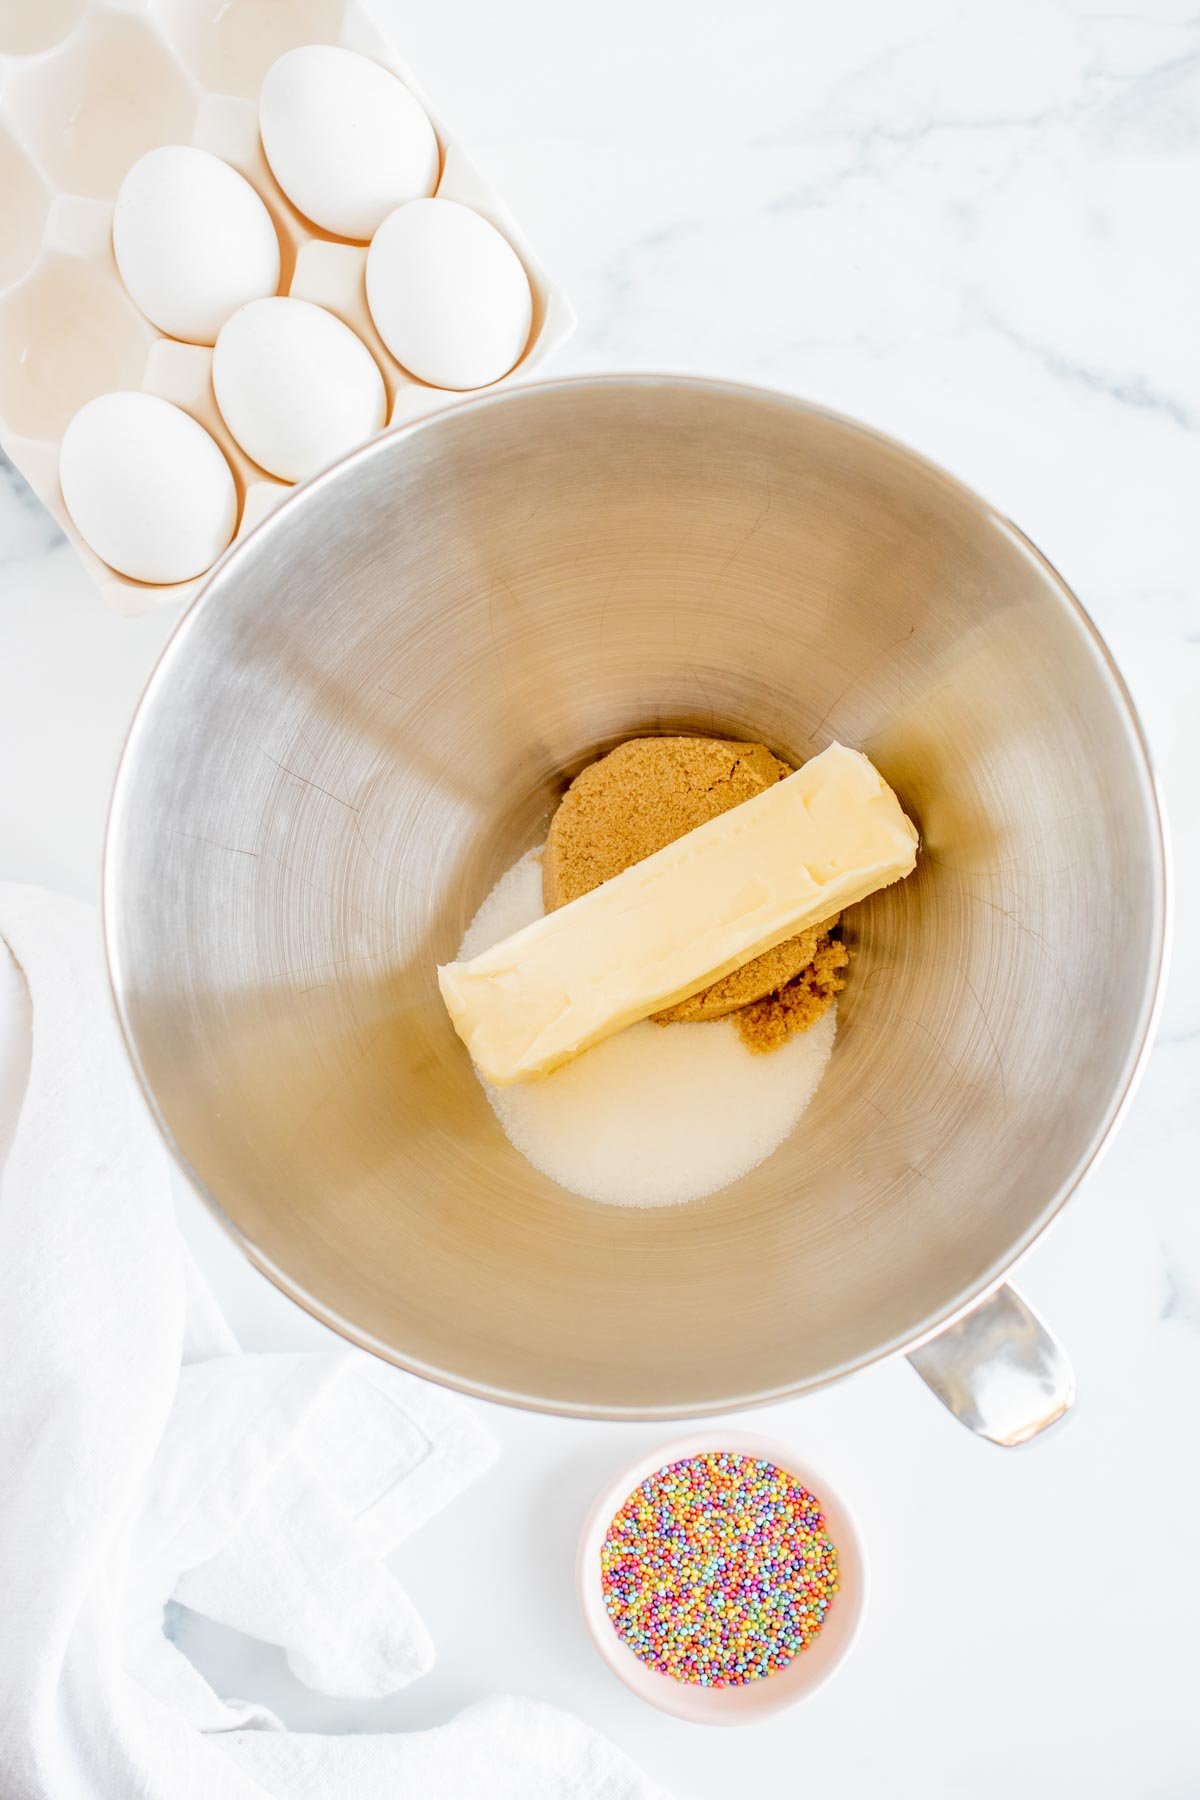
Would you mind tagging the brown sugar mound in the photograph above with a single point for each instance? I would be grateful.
(645, 794)
(770, 1022)
(765, 974)
(640, 797)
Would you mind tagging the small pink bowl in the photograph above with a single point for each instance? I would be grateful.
(806, 1672)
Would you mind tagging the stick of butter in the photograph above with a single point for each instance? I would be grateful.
(697, 909)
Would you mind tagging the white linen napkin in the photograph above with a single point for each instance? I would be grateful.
(143, 1457)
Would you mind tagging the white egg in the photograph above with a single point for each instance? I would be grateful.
(295, 386)
(147, 488)
(193, 241)
(345, 139)
(448, 294)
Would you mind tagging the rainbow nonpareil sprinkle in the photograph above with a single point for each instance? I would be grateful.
(718, 1570)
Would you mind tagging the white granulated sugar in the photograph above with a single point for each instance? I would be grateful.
(653, 1116)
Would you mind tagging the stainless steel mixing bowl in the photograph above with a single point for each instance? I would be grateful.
(369, 714)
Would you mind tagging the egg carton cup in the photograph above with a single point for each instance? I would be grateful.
(85, 90)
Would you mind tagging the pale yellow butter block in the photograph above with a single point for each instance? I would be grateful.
(795, 854)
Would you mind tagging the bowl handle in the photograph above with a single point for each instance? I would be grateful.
(999, 1370)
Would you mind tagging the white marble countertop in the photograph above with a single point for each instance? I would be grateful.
(976, 227)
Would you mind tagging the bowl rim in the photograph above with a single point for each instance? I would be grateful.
(761, 1699)
(1159, 922)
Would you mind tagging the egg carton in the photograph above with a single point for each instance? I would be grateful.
(86, 89)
